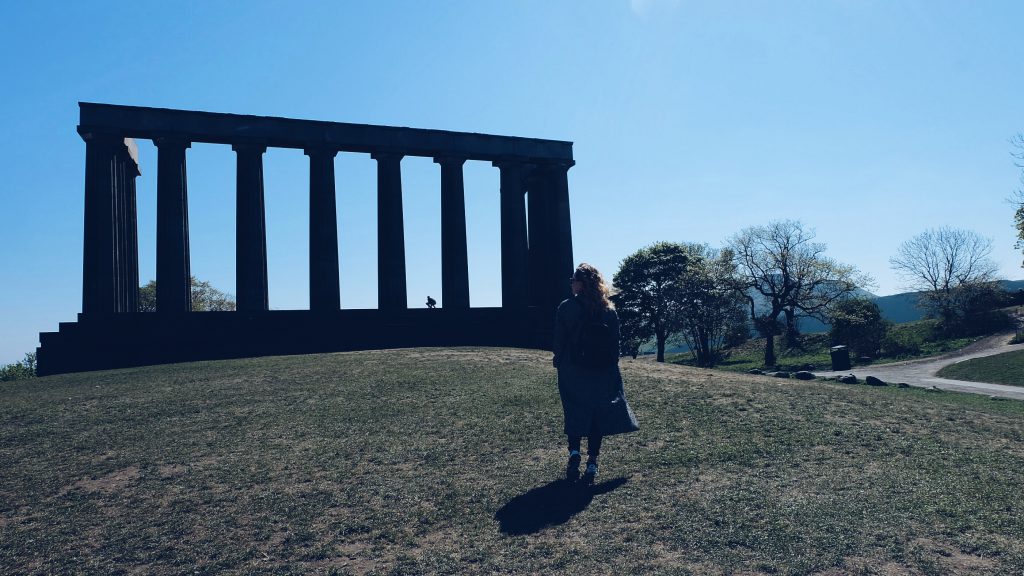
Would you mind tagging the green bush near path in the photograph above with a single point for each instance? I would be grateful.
(445, 462)
(1007, 368)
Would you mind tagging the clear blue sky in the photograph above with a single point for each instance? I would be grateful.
(870, 121)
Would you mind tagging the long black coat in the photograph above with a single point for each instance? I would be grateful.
(593, 401)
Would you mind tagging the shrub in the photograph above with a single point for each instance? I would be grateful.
(19, 370)
(858, 323)
(982, 323)
(903, 342)
(896, 345)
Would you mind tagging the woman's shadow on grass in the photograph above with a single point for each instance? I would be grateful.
(549, 505)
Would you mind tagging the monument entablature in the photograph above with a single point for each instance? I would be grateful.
(536, 242)
(217, 128)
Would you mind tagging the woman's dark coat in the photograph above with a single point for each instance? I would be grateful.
(593, 401)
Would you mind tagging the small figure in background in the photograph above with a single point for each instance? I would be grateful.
(431, 303)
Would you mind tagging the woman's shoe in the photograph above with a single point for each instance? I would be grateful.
(590, 473)
(572, 468)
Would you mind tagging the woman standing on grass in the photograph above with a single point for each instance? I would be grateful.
(587, 358)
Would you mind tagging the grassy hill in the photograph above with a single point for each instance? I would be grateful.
(1007, 368)
(446, 461)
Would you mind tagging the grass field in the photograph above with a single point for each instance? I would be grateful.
(1005, 368)
(447, 461)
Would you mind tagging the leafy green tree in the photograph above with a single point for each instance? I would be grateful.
(649, 286)
(782, 271)
(858, 324)
(711, 303)
(631, 336)
(677, 290)
(205, 298)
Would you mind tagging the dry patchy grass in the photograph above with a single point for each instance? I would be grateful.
(446, 461)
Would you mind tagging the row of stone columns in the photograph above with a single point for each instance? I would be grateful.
(535, 259)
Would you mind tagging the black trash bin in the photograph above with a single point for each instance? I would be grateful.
(840, 357)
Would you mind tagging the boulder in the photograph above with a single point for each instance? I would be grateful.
(781, 374)
(848, 379)
(872, 381)
(755, 371)
(804, 375)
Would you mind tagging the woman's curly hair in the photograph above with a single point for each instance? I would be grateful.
(595, 295)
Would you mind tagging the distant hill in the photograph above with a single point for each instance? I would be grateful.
(903, 307)
(899, 308)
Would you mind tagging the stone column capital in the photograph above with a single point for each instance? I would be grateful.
(387, 155)
(506, 162)
(320, 151)
(554, 163)
(249, 148)
(449, 160)
(100, 136)
(171, 142)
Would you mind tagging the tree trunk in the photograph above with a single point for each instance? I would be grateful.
(705, 351)
(661, 347)
(769, 350)
(792, 332)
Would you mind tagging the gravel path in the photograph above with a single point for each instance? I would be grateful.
(922, 372)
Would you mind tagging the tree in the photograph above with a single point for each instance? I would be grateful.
(710, 305)
(858, 323)
(951, 269)
(783, 271)
(682, 290)
(649, 285)
(205, 298)
(1018, 217)
(19, 370)
(631, 333)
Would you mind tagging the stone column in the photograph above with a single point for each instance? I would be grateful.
(514, 281)
(541, 250)
(173, 267)
(454, 259)
(391, 287)
(324, 288)
(99, 256)
(562, 262)
(132, 172)
(250, 230)
(120, 234)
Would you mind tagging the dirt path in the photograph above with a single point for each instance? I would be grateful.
(922, 372)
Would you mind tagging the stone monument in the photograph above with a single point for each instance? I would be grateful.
(110, 332)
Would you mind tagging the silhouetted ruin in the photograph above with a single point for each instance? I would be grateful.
(111, 332)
